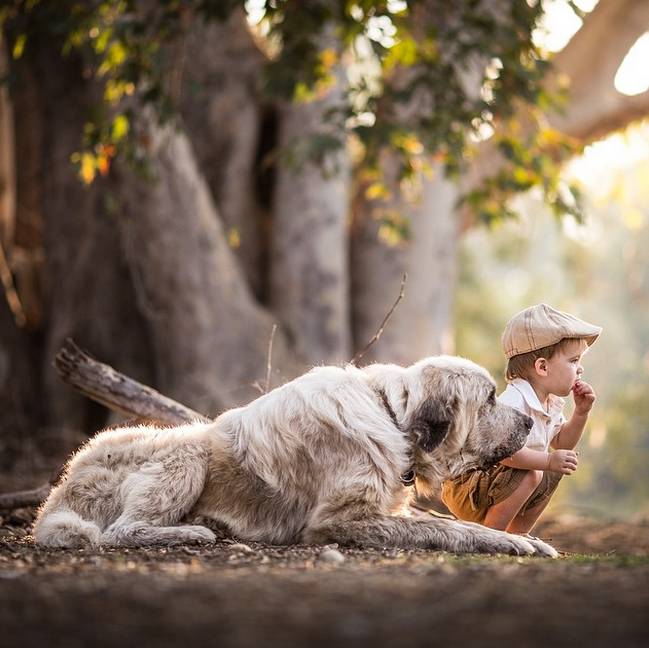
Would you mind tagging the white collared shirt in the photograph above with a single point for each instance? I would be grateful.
(520, 395)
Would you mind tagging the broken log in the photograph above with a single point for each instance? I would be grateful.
(29, 497)
(118, 392)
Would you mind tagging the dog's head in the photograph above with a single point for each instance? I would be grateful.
(452, 414)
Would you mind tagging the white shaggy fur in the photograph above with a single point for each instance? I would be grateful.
(319, 459)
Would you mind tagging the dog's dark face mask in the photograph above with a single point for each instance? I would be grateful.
(430, 424)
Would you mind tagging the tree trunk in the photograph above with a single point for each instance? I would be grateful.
(591, 60)
(20, 389)
(88, 294)
(420, 326)
(221, 108)
(309, 250)
(7, 158)
(422, 323)
(209, 336)
(26, 256)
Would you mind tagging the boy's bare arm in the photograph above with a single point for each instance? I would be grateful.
(527, 459)
(561, 461)
(571, 431)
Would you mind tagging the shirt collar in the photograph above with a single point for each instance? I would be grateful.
(555, 404)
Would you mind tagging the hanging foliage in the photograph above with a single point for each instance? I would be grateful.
(427, 78)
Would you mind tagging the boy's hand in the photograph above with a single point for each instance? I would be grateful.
(584, 396)
(563, 461)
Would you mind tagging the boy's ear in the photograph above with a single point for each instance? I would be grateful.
(541, 366)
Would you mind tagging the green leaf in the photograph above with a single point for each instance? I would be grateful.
(120, 127)
(19, 46)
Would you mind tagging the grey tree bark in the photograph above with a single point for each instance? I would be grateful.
(420, 325)
(7, 157)
(86, 288)
(209, 336)
(222, 110)
(309, 260)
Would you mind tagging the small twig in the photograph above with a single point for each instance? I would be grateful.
(377, 335)
(10, 291)
(263, 389)
(269, 360)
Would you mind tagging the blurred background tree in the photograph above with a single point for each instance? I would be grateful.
(178, 176)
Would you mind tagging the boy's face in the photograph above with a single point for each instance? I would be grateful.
(564, 368)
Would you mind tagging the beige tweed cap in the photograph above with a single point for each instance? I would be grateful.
(540, 326)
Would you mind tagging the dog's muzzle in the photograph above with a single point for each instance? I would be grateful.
(516, 442)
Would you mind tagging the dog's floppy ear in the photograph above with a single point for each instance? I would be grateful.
(430, 424)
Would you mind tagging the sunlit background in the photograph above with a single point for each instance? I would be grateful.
(598, 270)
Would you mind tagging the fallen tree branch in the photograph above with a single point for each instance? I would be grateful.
(118, 392)
(29, 497)
(356, 359)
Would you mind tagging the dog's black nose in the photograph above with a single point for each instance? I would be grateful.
(529, 423)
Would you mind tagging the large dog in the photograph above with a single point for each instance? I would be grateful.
(328, 457)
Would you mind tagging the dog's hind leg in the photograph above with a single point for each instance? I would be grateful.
(156, 497)
(65, 528)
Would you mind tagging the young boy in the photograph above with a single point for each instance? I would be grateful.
(544, 348)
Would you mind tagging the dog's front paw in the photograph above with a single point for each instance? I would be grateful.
(504, 543)
(486, 540)
(516, 545)
(542, 548)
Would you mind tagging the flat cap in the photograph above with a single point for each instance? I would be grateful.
(541, 326)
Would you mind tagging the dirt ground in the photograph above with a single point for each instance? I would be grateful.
(236, 595)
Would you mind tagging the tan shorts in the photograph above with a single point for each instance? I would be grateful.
(473, 493)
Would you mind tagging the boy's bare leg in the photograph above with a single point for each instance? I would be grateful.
(501, 515)
(524, 521)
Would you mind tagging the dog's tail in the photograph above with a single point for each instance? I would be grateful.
(63, 527)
